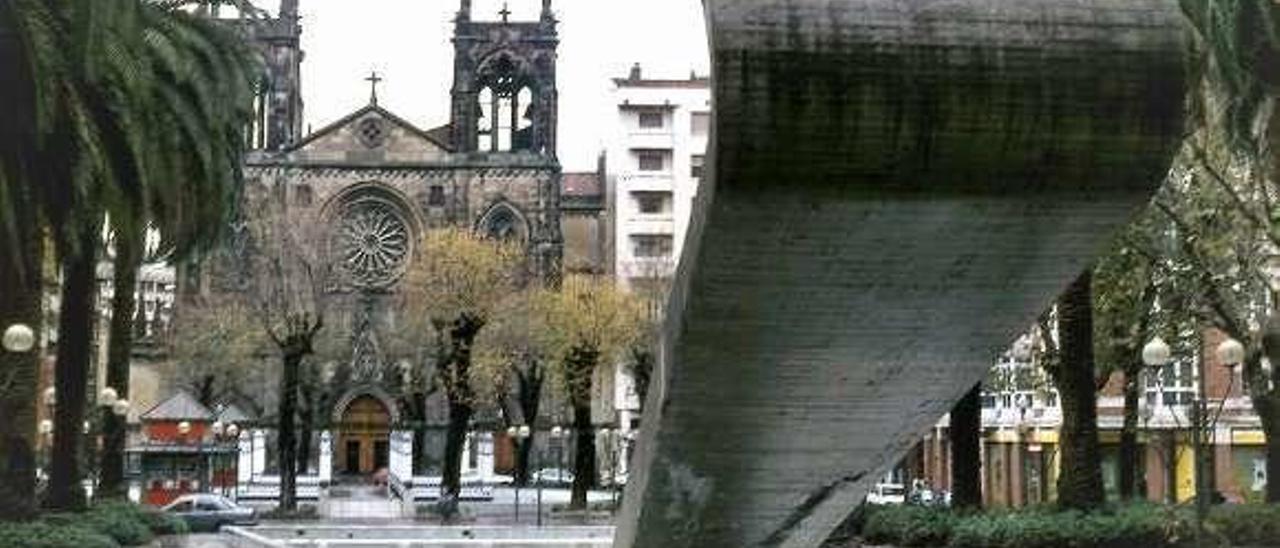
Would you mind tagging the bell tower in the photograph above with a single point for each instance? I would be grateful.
(504, 83)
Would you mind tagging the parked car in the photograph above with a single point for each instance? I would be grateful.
(887, 493)
(209, 512)
(554, 477)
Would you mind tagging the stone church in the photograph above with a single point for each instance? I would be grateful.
(373, 182)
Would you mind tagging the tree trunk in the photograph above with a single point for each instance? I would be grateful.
(530, 390)
(306, 422)
(584, 461)
(1080, 480)
(119, 346)
(1271, 431)
(457, 383)
(20, 296)
(286, 442)
(966, 455)
(455, 439)
(75, 335)
(1129, 435)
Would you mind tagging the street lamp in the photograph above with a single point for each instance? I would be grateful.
(18, 338)
(520, 433)
(1156, 354)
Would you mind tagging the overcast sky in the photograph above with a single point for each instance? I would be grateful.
(407, 42)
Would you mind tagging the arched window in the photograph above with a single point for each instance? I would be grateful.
(502, 223)
(484, 129)
(505, 108)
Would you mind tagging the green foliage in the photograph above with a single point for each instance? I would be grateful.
(1247, 524)
(1148, 526)
(43, 534)
(121, 522)
(908, 525)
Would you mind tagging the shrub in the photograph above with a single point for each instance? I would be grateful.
(908, 526)
(161, 523)
(43, 534)
(1121, 527)
(1247, 524)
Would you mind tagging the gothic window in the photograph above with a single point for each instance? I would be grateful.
(502, 223)
(505, 109)
(371, 242)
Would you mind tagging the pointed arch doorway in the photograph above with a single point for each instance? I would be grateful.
(363, 420)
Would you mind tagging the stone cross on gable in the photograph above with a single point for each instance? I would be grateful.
(505, 13)
(373, 80)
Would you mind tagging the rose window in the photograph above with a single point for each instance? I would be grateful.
(371, 243)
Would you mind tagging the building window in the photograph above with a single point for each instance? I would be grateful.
(435, 197)
(303, 195)
(1172, 385)
(651, 245)
(652, 160)
(700, 123)
(651, 119)
(696, 165)
(652, 202)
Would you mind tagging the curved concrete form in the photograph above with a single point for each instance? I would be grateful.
(899, 187)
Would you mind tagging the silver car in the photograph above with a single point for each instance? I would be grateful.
(209, 512)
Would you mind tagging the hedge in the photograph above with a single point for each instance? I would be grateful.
(109, 525)
(1247, 524)
(1131, 526)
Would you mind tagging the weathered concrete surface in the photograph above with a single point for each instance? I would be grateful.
(899, 187)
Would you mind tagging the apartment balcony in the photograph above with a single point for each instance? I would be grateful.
(646, 267)
(660, 223)
(650, 139)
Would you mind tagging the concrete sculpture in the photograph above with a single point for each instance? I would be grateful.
(899, 187)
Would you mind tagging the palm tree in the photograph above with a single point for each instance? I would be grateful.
(136, 111)
(1080, 482)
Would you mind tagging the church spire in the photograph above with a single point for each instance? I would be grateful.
(288, 9)
(546, 11)
(464, 11)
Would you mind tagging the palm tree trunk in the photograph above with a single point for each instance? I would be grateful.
(286, 442)
(1129, 435)
(1080, 481)
(119, 346)
(75, 333)
(966, 455)
(530, 389)
(20, 294)
(584, 450)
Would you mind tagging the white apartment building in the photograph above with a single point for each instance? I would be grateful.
(656, 155)
(655, 158)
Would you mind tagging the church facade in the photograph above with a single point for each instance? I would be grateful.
(373, 183)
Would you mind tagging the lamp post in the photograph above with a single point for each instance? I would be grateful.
(184, 428)
(111, 469)
(558, 433)
(519, 433)
(1156, 354)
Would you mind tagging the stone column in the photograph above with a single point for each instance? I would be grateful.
(401, 454)
(326, 457)
(259, 453)
(484, 454)
(244, 454)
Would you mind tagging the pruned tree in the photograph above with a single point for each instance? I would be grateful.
(589, 322)
(452, 290)
(515, 358)
(284, 286)
(217, 345)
